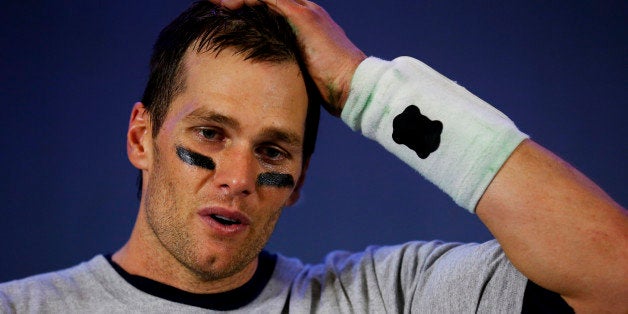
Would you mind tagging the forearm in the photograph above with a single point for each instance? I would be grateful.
(559, 229)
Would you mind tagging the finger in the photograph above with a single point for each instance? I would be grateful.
(252, 2)
(232, 4)
(235, 4)
(284, 6)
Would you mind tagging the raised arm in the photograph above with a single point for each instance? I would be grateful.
(555, 225)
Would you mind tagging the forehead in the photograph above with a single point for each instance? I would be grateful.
(256, 92)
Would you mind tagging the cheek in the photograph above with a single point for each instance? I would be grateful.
(170, 185)
(268, 227)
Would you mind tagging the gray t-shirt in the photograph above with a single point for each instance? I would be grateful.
(416, 277)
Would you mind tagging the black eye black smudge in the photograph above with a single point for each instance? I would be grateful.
(280, 180)
(417, 131)
(195, 159)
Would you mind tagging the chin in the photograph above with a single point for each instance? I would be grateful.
(223, 262)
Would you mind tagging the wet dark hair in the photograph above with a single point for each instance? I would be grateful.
(256, 33)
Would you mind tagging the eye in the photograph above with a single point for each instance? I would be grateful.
(271, 153)
(211, 134)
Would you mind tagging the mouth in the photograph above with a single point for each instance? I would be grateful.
(224, 221)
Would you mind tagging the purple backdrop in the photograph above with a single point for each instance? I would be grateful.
(71, 70)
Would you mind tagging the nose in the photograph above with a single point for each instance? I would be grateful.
(235, 171)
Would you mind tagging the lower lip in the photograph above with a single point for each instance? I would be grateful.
(223, 230)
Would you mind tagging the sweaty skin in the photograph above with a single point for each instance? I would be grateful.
(180, 237)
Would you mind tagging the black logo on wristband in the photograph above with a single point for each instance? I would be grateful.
(417, 131)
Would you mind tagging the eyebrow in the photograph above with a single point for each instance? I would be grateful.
(290, 138)
(205, 115)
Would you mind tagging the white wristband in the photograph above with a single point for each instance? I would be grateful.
(453, 138)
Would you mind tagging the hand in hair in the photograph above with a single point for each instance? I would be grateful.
(330, 56)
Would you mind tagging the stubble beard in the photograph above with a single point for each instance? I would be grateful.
(167, 220)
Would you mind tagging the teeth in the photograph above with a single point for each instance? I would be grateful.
(224, 220)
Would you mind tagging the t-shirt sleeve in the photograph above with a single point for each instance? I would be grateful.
(416, 277)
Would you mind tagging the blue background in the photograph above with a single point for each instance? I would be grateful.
(71, 70)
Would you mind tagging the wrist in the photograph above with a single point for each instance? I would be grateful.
(454, 139)
(338, 91)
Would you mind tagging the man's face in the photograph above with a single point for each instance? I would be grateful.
(226, 160)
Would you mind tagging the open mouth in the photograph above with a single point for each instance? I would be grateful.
(224, 220)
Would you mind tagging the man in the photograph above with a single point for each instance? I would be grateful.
(222, 149)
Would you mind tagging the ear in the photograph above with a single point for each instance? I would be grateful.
(296, 193)
(138, 138)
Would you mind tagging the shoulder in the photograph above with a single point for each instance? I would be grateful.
(50, 288)
(414, 275)
(416, 256)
